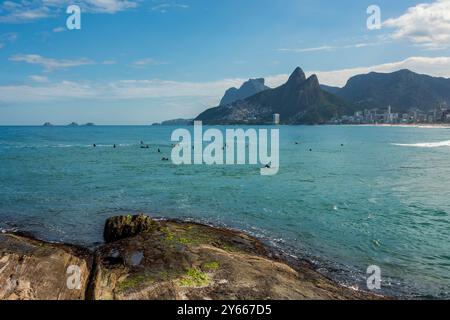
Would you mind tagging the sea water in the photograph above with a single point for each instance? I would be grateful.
(345, 197)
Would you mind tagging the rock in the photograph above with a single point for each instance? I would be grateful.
(176, 260)
(36, 270)
(121, 227)
(145, 259)
(248, 89)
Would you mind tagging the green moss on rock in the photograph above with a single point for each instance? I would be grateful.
(194, 278)
(211, 266)
(134, 281)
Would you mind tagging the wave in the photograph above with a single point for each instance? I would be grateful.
(439, 144)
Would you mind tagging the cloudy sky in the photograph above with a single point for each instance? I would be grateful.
(142, 61)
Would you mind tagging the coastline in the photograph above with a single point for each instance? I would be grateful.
(422, 126)
(150, 259)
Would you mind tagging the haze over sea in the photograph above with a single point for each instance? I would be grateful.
(380, 199)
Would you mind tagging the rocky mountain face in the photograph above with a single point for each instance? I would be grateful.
(402, 90)
(248, 88)
(298, 101)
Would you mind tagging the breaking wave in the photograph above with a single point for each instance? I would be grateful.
(425, 144)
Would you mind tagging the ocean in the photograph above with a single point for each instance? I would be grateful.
(345, 197)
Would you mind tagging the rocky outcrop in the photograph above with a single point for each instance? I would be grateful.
(145, 259)
(36, 270)
(178, 260)
(121, 227)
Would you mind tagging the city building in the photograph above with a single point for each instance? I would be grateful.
(276, 119)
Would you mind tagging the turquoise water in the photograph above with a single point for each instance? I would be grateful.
(380, 199)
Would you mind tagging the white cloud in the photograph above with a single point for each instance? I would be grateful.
(199, 94)
(426, 25)
(164, 7)
(438, 67)
(49, 63)
(330, 48)
(31, 10)
(50, 92)
(38, 78)
(140, 89)
(7, 38)
(148, 62)
(59, 29)
(117, 90)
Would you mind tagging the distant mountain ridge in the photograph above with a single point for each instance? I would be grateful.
(330, 89)
(248, 88)
(403, 90)
(298, 101)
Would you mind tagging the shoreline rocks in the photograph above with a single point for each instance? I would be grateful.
(35, 270)
(144, 259)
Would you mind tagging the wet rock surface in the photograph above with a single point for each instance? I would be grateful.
(147, 259)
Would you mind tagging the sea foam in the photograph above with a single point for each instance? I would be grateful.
(425, 144)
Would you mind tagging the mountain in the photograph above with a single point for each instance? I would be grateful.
(248, 88)
(298, 101)
(330, 89)
(402, 90)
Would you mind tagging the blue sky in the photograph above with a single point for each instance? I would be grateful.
(137, 61)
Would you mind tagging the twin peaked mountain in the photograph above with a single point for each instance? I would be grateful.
(298, 101)
(304, 101)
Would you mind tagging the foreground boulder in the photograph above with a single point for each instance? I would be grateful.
(36, 270)
(176, 260)
(121, 227)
